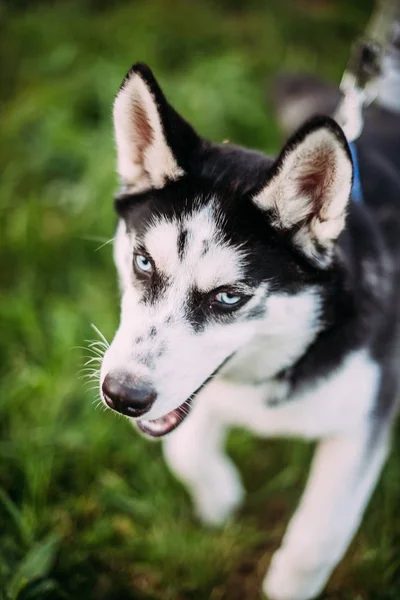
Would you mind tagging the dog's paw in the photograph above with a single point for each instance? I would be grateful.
(290, 579)
(216, 501)
(211, 478)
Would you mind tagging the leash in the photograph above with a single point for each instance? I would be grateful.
(359, 83)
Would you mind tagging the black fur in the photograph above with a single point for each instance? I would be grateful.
(182, 243)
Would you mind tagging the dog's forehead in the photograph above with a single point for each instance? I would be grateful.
(194, 244)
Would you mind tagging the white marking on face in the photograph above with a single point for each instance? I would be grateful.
(221, 264)
(290, 324)
(185, 360)
(161, 244)
(178, 359)
(123, 255)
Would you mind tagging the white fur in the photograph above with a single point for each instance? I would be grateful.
(343, 475)
(327, 406)
(141, 165)
(288, 328)
(123, 255)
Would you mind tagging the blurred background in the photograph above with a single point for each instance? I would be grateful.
(87, 508)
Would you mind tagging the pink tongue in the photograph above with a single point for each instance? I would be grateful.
(161, 426)
(165, 424)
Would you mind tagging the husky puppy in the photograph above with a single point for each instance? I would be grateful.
(258, 293)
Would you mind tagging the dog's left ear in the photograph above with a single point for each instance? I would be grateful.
(154, 144)
(309, 189)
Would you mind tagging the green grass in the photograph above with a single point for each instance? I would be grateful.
(87, 508)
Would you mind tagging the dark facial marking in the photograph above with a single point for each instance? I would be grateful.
(153, 332)
(139, 340)
(195, 310)
(160, 351)
(146, 359)
(257, 312)
(182, 242)
(201, 308)
(205, 247)
(274, 402)
(155, 287)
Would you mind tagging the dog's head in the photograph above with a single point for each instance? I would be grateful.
(216, 246)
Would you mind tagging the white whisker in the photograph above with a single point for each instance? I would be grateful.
(93, 359)
(110, 241)
(96, 343)
(103, 337)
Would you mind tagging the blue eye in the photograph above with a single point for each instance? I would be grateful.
(227, 298)
(143, 263)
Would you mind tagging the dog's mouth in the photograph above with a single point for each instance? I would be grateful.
(170, 421)
(167, 423)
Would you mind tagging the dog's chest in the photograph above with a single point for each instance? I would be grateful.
(338, 402)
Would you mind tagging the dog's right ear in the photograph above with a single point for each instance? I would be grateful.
(154, 144)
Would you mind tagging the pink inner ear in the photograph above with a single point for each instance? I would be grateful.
(317, 175)
(143, 130)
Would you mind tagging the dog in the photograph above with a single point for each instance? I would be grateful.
(257, 292)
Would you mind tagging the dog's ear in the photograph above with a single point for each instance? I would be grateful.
(154, 144)
(309, 188)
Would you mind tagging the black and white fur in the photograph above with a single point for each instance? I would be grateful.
(311, 349)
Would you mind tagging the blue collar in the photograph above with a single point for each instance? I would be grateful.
(356, 190)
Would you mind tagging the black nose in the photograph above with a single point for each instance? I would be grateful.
(132, 400)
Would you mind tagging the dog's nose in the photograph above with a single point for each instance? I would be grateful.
(132, 400)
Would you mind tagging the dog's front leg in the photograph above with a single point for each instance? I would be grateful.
(343, 474)
(195, 453)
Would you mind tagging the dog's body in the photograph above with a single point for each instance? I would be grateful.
(247, 271)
